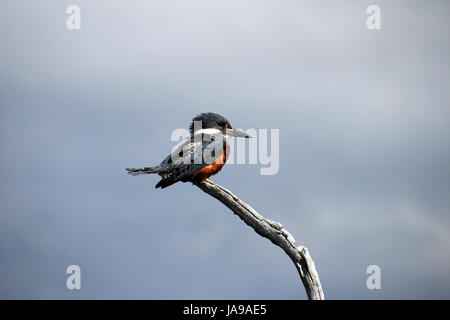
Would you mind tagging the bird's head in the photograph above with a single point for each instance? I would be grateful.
(213, 123)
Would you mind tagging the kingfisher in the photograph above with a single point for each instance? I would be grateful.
(202, 155)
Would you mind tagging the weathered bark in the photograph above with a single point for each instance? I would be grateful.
(273, 231)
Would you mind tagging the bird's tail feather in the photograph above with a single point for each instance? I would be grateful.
(138, 171)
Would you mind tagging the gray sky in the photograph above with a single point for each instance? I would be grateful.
(364, 124)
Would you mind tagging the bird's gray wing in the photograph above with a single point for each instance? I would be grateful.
(189, 158)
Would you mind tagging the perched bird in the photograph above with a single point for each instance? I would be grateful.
(203, 154)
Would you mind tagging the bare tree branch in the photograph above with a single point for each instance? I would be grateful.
(273, 231)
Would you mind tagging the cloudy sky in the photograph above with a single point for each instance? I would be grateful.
(364, 122)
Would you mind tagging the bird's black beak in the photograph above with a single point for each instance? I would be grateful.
(237, 133)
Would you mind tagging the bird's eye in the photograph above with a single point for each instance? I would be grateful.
(221, 124)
